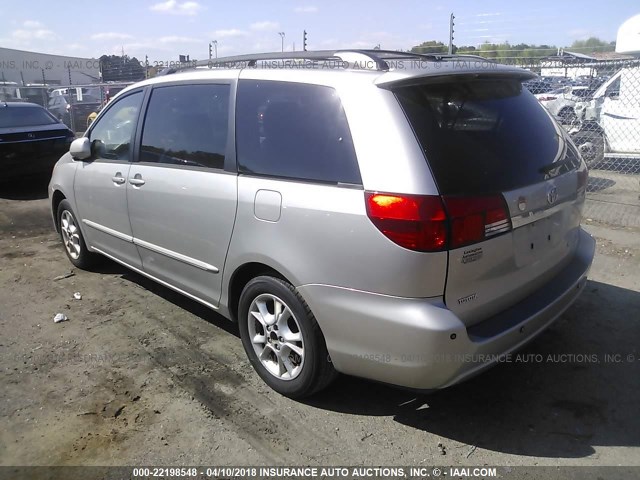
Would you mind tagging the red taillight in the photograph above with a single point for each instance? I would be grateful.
(416, 222)
(429, 223)
(474, 219)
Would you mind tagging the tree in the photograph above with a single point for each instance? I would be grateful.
(116, 68)
(432, 46)
(594, 43)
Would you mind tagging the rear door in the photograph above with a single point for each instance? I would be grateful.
(511, 182)
(182, 191)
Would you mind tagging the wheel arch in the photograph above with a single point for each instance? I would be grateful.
(239, 279)
(56, 199)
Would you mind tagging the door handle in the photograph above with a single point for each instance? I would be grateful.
(118, 179)
(137, 180)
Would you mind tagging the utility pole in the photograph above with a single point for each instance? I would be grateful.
(215, 47)
(451, 34)
(282, 39)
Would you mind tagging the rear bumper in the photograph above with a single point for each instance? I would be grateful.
(420, 343)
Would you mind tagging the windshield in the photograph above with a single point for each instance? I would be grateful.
(11, 117)
(484, 135)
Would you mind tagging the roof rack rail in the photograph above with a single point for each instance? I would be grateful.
(252, 59)
(379, 57)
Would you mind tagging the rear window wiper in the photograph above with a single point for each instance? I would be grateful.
(552, 166)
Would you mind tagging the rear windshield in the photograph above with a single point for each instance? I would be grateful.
(482, 135)
(24, 117)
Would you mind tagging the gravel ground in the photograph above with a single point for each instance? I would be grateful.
(140, 375)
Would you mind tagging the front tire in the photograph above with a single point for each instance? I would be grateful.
(72, 239)
(282, 338)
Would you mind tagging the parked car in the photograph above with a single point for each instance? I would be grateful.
(35, 93)
(31, 140)
(71, 108)
(402, 224)
(538, 86)
(609, 123)
(562, 101)
(10, 92)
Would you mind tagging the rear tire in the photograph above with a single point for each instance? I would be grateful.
(282, 339)
(72, 239)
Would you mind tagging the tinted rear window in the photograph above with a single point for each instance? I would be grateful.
(294, 130)
(482, 136)
(24, 117)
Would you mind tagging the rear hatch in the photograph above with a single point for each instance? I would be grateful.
(511, 183)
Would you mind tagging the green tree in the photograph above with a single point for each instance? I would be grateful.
(432, 46)
(116, 68)
(595, 44)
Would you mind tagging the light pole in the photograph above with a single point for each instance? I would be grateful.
(215, 47)
(282, 38)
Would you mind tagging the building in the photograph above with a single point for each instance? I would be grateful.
(25, 68)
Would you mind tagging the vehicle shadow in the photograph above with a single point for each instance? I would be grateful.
(597, 184)
(543, 404)
(191, 306)
(25, 188)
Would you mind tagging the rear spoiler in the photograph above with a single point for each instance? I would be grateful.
(451, 71)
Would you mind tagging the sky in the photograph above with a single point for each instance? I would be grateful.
(164, 29)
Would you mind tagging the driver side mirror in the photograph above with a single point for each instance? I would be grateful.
(80, 148)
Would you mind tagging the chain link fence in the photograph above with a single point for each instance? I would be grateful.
(75, 105)
(598, 103)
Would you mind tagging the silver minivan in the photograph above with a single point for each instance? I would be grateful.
(404, 218)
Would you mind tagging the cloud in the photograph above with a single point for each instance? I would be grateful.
(306, 9)
(174, 7)
(110, 36)
(32, 24)
(35, 34)
(264, 26)
(179, 39)
(231, 32)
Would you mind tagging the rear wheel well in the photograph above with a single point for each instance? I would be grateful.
(241, 277)
(58, 197)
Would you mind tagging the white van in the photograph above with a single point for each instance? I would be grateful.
(610, 122)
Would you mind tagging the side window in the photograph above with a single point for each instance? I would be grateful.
(111, 135)
(294, 130)
(613, 90)
(187, 125)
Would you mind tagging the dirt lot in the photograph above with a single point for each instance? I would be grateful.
(141, 375)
